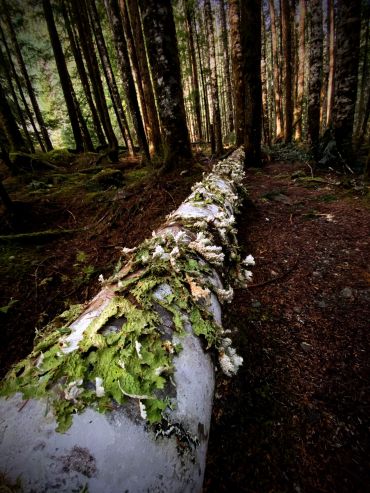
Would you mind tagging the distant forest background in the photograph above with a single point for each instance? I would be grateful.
(93, 75)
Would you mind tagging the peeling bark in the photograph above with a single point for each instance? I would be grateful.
(115, 449)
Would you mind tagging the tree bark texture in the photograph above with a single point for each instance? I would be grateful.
(130, 326)
(237, 70)
(9, 125)
(277, 78)
(226, 58)
(286, 35)
(110, 78)
(298, 113)
(251, 46)
(315, 71)
(160, 34)
(114, 15)
(348, 43)
(215, 99)
(189, 14)
(330, 95)
(27, 80)
(155, 141)
(64, 77)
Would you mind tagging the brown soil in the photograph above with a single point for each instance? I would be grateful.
(296, 417)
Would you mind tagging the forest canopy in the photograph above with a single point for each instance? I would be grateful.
(155, 76)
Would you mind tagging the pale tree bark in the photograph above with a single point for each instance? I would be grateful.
(114, 16)
(226, 58)
(160, 34)
(26, 78)
(237, 70)
(264, 83)
(215, 99)
(330, 95)
(250, 17)
(134, 353)
(286, 36)
(110, 78)
(277, 81)
(204, 85)
(298, 113)
(348, 43)
(194, 69)
(134, 14)
(315, 71)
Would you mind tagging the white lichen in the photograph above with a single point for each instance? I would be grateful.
(73, 390)
(99, 389)
(138, 349)
(142, 407)
(225, 295)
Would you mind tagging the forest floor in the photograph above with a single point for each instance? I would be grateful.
(296, 417)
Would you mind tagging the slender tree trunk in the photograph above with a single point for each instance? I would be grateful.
(110, 78)
(315, 71)
(160, 33)
(286, 35)
(365, 122)
(64, 77)
(20, 116)
(112, 8)
(348, 43)
(216, 115)
(364, 82)
(9, 125)
(73, 39)
(88, 48)
(204, 86)
(226, 58)
(330, 96)
(250, 17)
(237, 70)
(27, 80)
(298, 114)
(4, 196)
(276, 61)
(135, 21)
(194, 69)
(264, 78)
(20, 90)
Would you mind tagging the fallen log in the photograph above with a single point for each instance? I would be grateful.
(117, 394)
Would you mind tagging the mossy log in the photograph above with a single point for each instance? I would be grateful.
(117, 393)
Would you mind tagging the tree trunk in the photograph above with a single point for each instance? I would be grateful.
(194, 69)
(298, 114)
(20, 90)
(365, 87)
(286, 36)
(27, 80)
(226, 58)
(237, 70)
(9, 125)
(204, 86)
(264, 83)
(134, 353)
(73, 39)
(20, 116)
(315, 71)
(64, 77)
(277, 84)
(216, 115)
(110, 78)
(135, 21)
(160, 33)
(250, 17)
(112, 9)
(330, 95)
(348, 43)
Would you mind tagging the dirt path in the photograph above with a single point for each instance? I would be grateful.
(296, 418)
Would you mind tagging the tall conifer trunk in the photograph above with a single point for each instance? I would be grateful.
(277, 78)
(9, 125)
(348, 43)
(315, 71)
(298, 113)
(286, 35)
(237, 70)
(226, 58)
(160, 33)
(330, 95)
